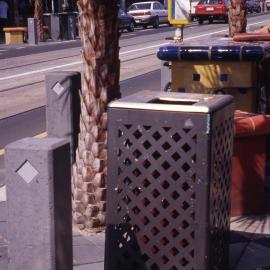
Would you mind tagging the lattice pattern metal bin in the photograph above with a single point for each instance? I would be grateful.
(169, 178)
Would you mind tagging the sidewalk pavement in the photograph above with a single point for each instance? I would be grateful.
(249, 245)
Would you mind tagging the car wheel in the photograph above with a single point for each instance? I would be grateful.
(131, 27)
(200, 21)
(145, 26)
(226, 19)
(210, 20)
(156, 22)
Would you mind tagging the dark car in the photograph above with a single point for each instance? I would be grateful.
(253, 6)
(126, 21)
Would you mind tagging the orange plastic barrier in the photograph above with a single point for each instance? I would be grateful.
(248, 168)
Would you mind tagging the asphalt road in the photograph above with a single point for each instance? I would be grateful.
(22, 71)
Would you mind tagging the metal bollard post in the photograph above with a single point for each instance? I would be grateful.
(63, 106)
(32, 31)
(39, 204)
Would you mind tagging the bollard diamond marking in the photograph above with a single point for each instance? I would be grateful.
(27, 172)
(58, 89)
(3, 193)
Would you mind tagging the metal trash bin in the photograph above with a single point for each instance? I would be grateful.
(169, 173)
(68, 26)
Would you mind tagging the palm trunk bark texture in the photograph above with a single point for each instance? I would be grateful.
(100, 84)
(38, 14)
(237, 17)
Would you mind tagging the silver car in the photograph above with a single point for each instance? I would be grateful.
(148, 13)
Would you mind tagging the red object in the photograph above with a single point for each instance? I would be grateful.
(248, 168)
(251, 37)
(211, 10)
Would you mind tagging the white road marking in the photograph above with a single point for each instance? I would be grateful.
(128, 35)
(121, 53)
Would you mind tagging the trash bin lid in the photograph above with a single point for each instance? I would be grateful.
(173, 101)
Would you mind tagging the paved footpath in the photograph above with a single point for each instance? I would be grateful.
(249, 248)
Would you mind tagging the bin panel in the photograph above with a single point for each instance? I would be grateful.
(153, 201)
(219, 196)
(159, 181)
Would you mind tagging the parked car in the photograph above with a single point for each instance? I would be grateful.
(212, 10)
(194, 3)
(267, 5)
(126, 21)
(148, 13)
(253, 6)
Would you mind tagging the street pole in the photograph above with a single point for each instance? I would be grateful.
(52, 6)
(123, 4)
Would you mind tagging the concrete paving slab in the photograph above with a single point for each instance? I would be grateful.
(3, 231)
(239, 237)
(92, 266)
(4, 263)
(236, 252)
(81, 241)
(3, 212)
(255, 256)
(97, 239)
(246, 224)
(264, 226)
(3, 257)
(83, 255)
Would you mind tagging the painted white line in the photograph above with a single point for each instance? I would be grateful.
(128, 35)
(19, 48)
(39, 71)
(121, 53)
(3, 194)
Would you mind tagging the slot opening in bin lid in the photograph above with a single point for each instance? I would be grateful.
(171, 101)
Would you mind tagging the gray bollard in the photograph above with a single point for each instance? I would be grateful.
(63, 106)
(54, 26)
(39, 204)
(32, 31)
(71, 26)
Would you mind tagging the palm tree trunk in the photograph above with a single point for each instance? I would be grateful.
(100, 84)
(38, 16)
(237, 17)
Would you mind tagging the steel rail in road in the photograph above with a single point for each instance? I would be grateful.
(121, 53)
(42, 81)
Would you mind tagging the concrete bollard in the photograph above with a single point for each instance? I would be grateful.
(32, 31)
(54, 26)
(63, 106)
(39, 204)
(71, 26)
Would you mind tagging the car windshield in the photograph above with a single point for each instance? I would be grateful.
(140, 6)
(211, 2)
